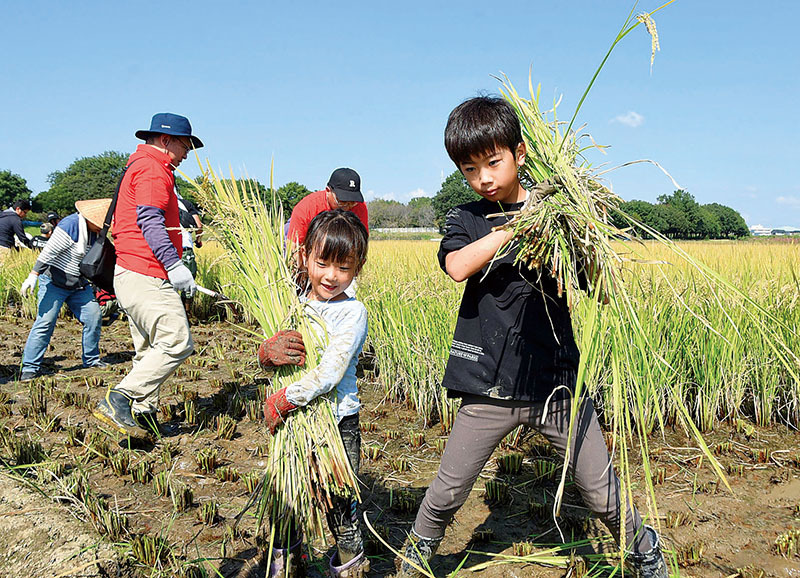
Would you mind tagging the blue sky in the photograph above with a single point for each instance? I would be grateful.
(318, 85)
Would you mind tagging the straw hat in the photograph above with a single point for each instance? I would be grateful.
(94, 210)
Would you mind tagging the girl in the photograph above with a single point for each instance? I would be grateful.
(333, 253)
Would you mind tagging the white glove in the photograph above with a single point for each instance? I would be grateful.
(29, 284)
(181, 279)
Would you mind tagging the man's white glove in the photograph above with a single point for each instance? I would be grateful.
(29, 284)
(181, 278)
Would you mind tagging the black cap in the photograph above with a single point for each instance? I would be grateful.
(346, 185)
(53, 216)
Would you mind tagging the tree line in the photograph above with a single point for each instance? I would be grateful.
(678, 215)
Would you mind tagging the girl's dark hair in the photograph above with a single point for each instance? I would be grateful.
(480, 126)
(337, 235)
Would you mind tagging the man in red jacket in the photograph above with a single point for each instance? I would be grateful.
(343, 192)
(149, 273)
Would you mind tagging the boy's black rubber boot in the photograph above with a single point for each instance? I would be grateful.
(115, 410)
(650, 564)
(148, 421)
(418, 550)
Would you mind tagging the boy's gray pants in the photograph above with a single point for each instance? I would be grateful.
(480, 425)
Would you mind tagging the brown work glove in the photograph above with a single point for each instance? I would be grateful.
(283, 348)
(277, 407)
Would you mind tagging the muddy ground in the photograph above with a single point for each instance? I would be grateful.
(46, 530)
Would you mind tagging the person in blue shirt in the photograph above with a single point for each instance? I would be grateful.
(333, 253)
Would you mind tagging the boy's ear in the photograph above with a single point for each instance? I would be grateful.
(519, 154)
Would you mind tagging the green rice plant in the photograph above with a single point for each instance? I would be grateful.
(659, 476)
(47, 423)
(510, 464)
(369, 426)
(254, 410)
(691, 554)
(402, 500)
(496, 491)
(676, 519)
(482, 536)
(168, 452)
(392, 434)
(208, 513)
(190, 395)
(192, 374)
(206, 460)
(142, 472)
(120, 461)
(736, 470)
(750, 571)
(182, 496)
(236, 406)
(49, 470)
(416, 439)
(161, 484)
(38, 397)
(77, 484)
(227, 474)
(167, 411)
(250, 480)
(439, 445)
(372, 452)
(788, 543)
(27, 452)
(83, 401)
(723, 448)
(215, 383)
(97, 445)
(400, 464)
(544, 469)
(226, 427)
(760, 455)
(93, 382)
(114, 524)
(523, 548)
(190, 411)
(538, 510)
(151, 551)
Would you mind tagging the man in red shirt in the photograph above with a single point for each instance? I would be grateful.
(343, 192)
(149, 274)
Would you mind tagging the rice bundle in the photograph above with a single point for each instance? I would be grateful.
(307, 464)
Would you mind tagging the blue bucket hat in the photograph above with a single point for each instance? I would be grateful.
(172, 124)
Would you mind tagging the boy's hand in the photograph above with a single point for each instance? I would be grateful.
(277, 407)
(283, 348)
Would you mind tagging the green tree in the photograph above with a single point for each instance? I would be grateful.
(86, 178)
(732, 224)
(289, 195)
(388, 213)
(421, 212)
(12, 187)
(455, 191)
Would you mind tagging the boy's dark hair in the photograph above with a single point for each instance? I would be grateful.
(23, 204)
(338, 235)
(480, 126)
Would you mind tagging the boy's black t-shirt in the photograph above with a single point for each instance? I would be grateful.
(513, 338)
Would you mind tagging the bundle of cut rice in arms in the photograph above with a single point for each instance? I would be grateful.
(307, 464)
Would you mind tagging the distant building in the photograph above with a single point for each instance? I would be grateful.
(760, 230)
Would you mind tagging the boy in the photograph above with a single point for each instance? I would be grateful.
(513, 348)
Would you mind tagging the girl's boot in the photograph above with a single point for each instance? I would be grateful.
(420, 551)
(287, 563)
(650, 564)
(356, 567)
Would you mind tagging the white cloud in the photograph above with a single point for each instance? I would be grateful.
(419, 193)
(630, 118)
(793, 202)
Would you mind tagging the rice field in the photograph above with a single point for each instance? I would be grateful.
(152, 503)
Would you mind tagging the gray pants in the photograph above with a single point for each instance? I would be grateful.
(480, 425)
